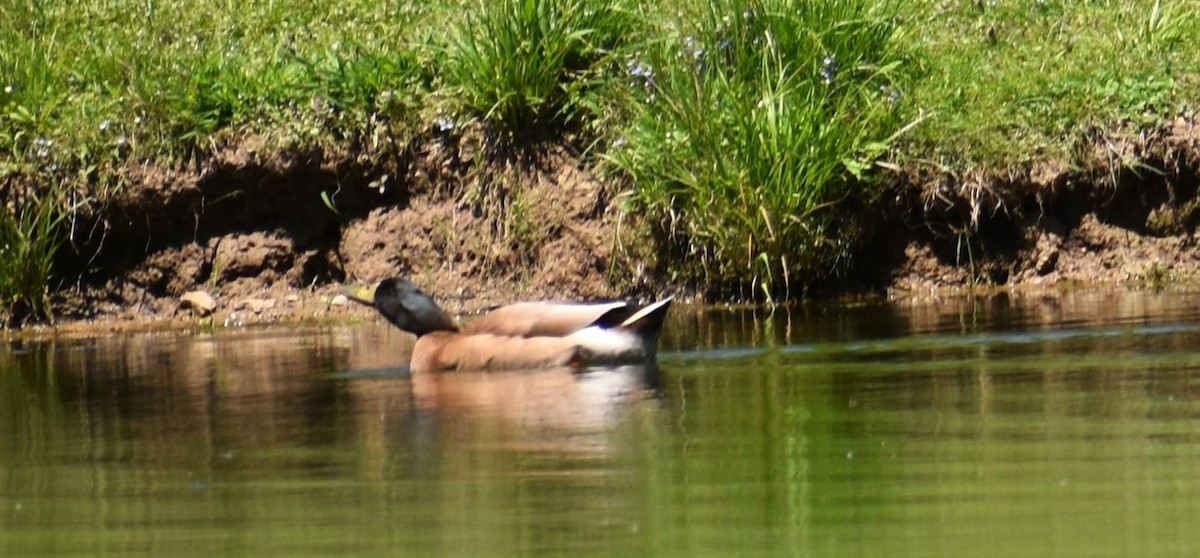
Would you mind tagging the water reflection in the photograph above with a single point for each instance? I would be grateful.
(554, 408)
(243, 434)
(815, 430)
(698, 327)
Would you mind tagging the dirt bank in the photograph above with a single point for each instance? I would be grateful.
(1126, 213)
(270, 232)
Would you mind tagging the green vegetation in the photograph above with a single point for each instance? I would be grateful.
(113, 80)
(29, 240)
(1013, 81)
(529, 65)
(745, 128)
(754, 120)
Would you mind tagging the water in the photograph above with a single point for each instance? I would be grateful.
(1058, 426)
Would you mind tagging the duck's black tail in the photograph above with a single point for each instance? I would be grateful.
(648, 320)
(647, 323)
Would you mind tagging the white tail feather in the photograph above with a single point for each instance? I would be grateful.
(648, 310)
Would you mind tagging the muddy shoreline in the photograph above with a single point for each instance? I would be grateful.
(271, 233)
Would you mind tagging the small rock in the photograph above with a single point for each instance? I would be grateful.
(199, 301)
(339, 300)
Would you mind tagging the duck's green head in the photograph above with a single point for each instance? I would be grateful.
(403, 304)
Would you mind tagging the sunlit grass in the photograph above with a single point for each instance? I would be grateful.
(527, 65)
(1012, 81)
(754, 121)
(122, 78)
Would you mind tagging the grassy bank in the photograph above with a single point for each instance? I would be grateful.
(746, 131)
(752, 121)
(1009, 82)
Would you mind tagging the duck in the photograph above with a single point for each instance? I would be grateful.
(522, 335)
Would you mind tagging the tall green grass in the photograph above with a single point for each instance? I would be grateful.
(528, 65)
(30, 237)
(754, 120)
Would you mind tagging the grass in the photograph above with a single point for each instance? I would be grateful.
(756, 118)
(746, 129)
(525, 66)
(1009, 82)
(29, 241)
(119, 79)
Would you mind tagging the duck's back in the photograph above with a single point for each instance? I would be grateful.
(546, 319)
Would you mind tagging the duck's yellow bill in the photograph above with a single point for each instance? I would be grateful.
(363, 294)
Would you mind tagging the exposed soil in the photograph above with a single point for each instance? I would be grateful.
(1128, 216)
(270, 233)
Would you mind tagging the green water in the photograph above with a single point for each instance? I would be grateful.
(1065, 426)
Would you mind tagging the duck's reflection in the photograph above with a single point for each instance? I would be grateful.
(554, 399)
(553, 409)
(311, 401)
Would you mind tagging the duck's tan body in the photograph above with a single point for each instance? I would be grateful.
(535, 335)
(522, 335)
(443, 350)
